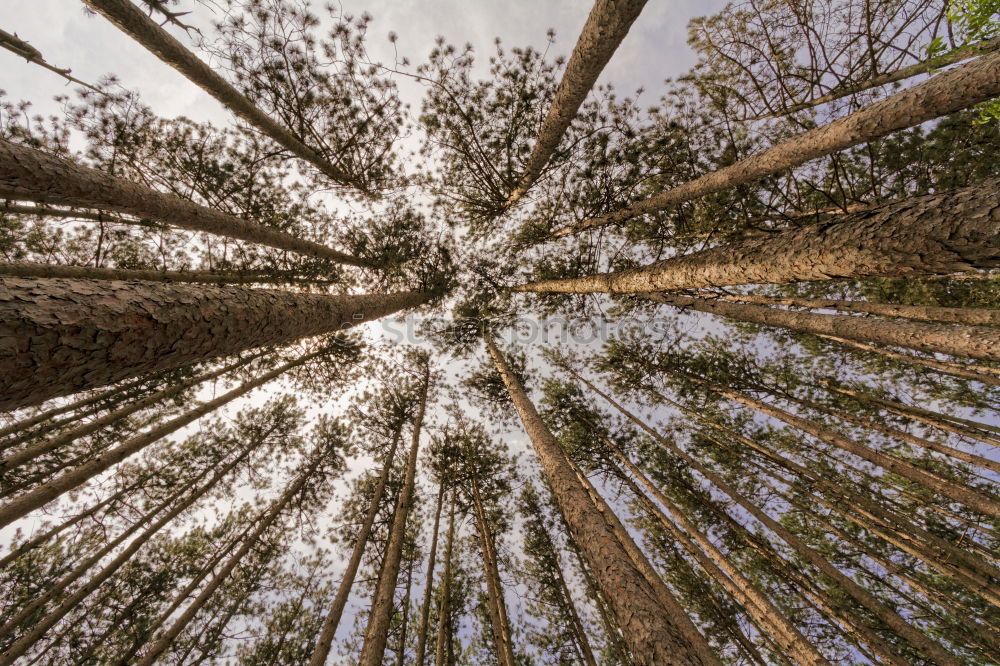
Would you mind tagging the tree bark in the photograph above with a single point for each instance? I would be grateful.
(29, 174)
(63, 336)
(67, 481)
(858, 593)
(968, 316)
(377, 631)
(923, 235)
(444, 610)
(959, 88)
(68, 214)
(133, 22)
(425, 607)
(263, 524)
(30, 270)
(979, 342)
(29, 453)
(401, 644)
(494, 588)
(608, 23)
(39, 628)
(332, 621)
(655, 634)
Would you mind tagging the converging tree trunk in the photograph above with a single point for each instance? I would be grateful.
(85, 334)
(952, 90)
(29, 174)
(494, 588)
(425, 607)
(924, 235)
(608, 23)
(377, 631)
(90, 273)
(655, 634)
(444, 604)
(132, 21)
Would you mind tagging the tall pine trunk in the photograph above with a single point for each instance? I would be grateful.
(377, 631)
(608, 23)
(425, 606)
(332, 620)
(90, 273)
(29, 174)
(143, 327)
(494, 588)
(952, 90)
(444, 604)
(655, 634)
(132, 21)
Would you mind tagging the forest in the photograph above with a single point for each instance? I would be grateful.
(472, 357)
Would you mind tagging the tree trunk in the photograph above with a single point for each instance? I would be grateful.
(29, 174)
(143, 327)
(717, 566)
(263, 524)
(968, 316)
(332, 621)
(655, 634)
(916, 69)
(68, 214)
(67, 481)
(22, 48)
(444, 610)
(947, 92)
(377, 631)
(923, 235)
(401, 644)
(31, 270)
(608, 23)
(579, 632)
(858, 593)
(132, 21)
(425, 607)
(980, 342)
(29, 453)
(494, 588)
(39, 628)
(979, 373)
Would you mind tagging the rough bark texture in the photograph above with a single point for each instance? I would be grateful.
(970, 316)
(91, 273)
(444, 607)
(936, 233)
(862, 596)
(964, 86)
(65, 213)
(494, 588)
(29, 174)
(653, 635)
(377, 631)
(608, 23)
(53, 488)
(63, 336)
(425, 607)
(978, 342)
(132, 21)
(332, 620)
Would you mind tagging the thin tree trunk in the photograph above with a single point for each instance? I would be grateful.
(718, 567)
(494, 589)
(858, 593)
(18, 46)
(612, 628)
(332, 620)
(132, 21)
(29, 453)
(922, 235)
(401, 645)
(21, 505)
(608, 23)
(90, 273)
(927, 66)
(377, 631)
(263, 524)
(979, 373)
(968, 316)
(144, 327)
(655, 634)
(65, 213)
(979, 342)
(959, 88)
(425, 607)
(39, 628)
(29, 174)
(579, 632)
(444, 609)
